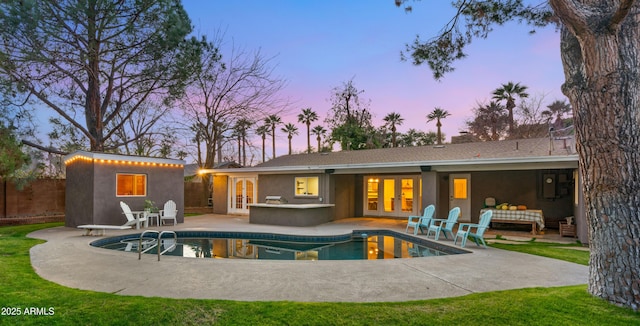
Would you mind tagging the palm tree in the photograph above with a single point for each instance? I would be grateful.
(319, 131)
(290, 129)
(490, 122)
(263, 131)
(507, 92)
(558, 109)
(272, 122)
(307, 116)
(438, 114)
(392, 120)
(240, 130)
(409, 138)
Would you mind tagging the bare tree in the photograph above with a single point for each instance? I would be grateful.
(229, 88)
(143, 133)
(350, 118)
(532, 121)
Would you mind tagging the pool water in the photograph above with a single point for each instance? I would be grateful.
(362, 245)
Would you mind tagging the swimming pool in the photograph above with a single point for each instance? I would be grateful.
(360, 244)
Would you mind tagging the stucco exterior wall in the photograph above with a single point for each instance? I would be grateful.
(442, 203)
(220, 194)
(514, 187)
(358, 195)
(430, 191)
(79, 194)
(284, 185)
(328, 191)
(346, 190)
(519, 187)
(290, 216)
(91, 191)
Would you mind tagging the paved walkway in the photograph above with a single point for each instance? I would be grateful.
(68, 259)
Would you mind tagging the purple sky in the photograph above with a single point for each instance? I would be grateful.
(321, 44)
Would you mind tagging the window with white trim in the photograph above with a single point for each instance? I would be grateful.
(307, 186)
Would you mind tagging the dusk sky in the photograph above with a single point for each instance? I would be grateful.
(319, 45)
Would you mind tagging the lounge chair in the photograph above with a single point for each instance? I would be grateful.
(169, 212)
(418, 222)
(444, 225)
(100, 229)
(131, 219)
(464, 231)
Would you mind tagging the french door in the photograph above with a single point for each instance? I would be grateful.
(396, 196)
(242, 193)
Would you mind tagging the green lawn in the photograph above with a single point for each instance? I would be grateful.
(568, 252)
(21, 288)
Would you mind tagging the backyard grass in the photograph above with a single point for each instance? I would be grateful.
(21, 288)
(567, 252)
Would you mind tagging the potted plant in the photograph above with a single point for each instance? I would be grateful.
(150, 206)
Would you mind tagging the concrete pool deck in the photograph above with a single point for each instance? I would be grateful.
(67, 259)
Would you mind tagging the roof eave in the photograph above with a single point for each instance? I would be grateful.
(564, 161)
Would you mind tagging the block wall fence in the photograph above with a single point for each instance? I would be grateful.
(43, 200)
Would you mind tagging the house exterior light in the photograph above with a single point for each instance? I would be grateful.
(103, 158)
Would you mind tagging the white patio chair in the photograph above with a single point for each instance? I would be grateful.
(170, 212)
(131, 219)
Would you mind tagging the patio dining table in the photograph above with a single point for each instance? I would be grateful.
(529, 216)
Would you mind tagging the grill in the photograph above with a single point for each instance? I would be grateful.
(275, 200)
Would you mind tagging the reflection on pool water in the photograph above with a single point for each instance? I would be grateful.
(361, 244)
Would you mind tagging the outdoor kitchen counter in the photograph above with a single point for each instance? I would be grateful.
(290, 214)
(298, 206)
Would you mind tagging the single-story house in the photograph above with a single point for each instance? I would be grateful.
(541, 174)
(97, 182)
(192, 170)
